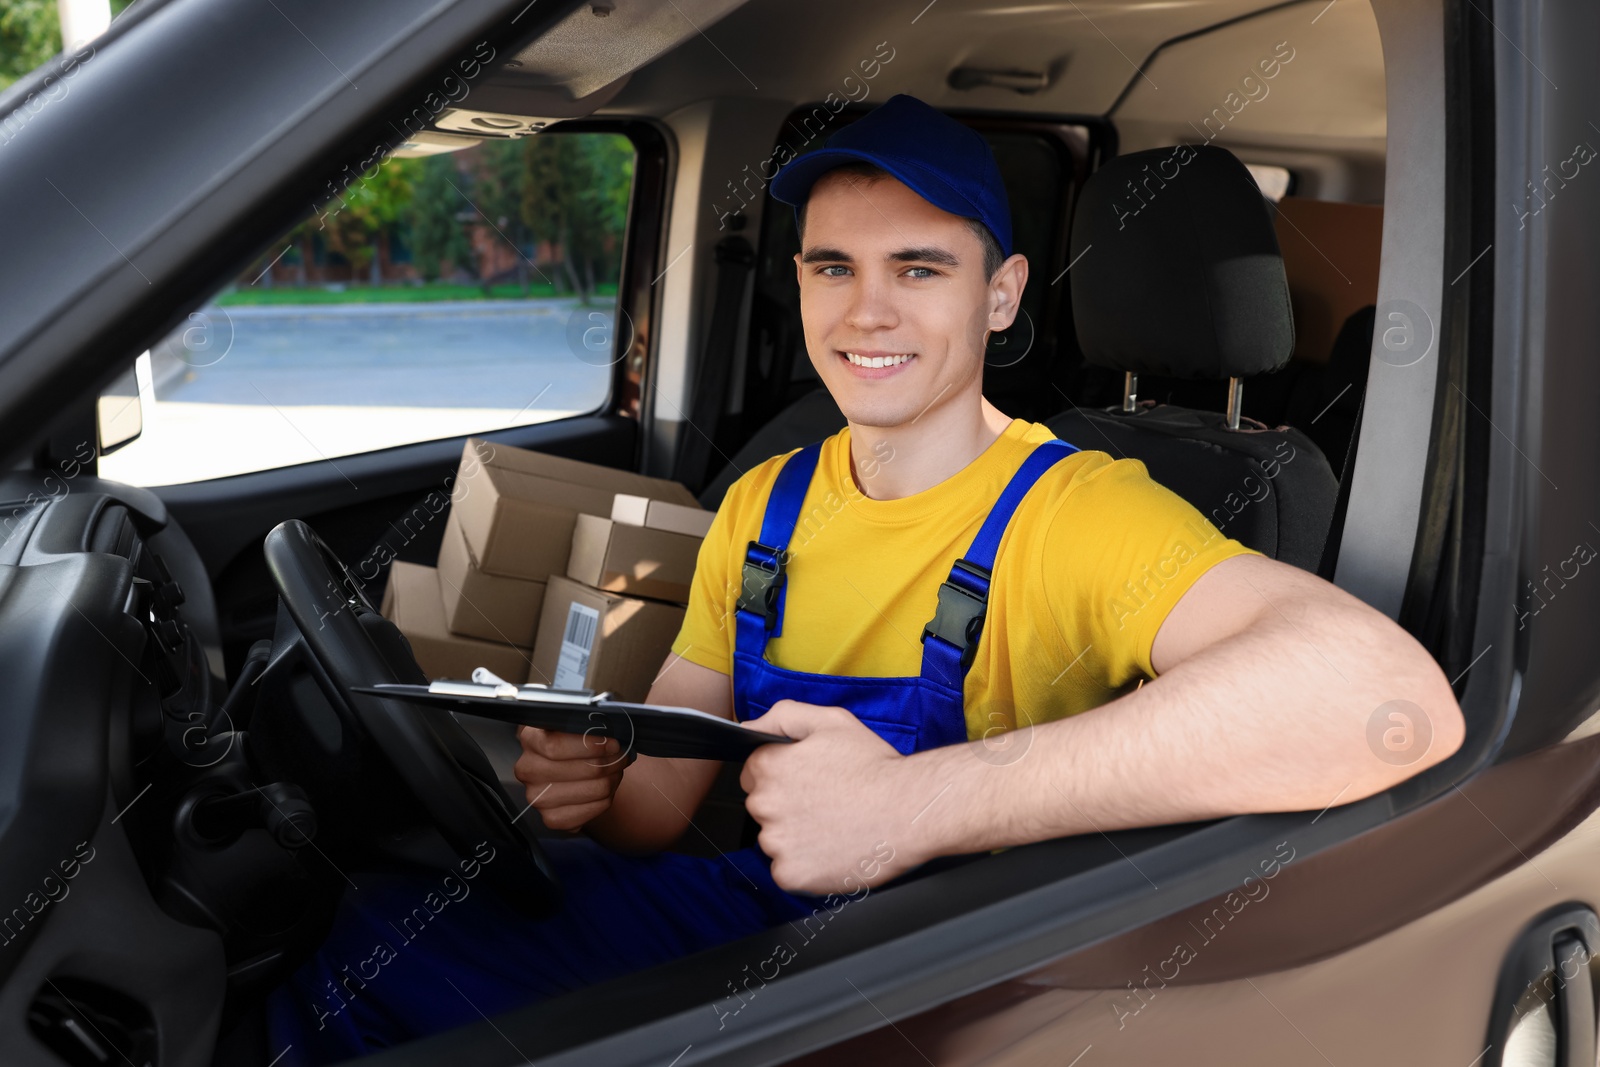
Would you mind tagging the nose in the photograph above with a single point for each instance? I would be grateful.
(871, 304)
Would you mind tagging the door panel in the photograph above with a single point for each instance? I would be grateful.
(1230, 981)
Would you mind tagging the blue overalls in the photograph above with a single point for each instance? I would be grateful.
(475, 957)
(911, 713)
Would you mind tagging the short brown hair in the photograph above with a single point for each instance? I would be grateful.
(868, 173)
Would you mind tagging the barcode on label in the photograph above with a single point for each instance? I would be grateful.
(577, 641)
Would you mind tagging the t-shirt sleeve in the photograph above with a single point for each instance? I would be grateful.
(1120, 552)
(706, 636)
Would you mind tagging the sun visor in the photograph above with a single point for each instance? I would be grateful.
(569, 72)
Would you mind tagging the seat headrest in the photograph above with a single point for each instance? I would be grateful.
(1180, 273)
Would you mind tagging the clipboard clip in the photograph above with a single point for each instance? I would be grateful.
(485, 683)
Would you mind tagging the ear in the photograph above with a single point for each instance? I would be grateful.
(1005, 291)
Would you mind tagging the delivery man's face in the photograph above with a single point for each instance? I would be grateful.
(889, 278)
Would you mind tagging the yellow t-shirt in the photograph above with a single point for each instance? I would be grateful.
(1094, 558)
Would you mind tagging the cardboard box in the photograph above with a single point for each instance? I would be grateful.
(592, 639)
(636, 560)
(412, 602)
(518, 508)
(479, 604)
(661, 515)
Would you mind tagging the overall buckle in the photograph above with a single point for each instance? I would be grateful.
(760, 583)
(960, 613)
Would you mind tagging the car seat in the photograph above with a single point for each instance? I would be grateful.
(1177, 273)
(810, 418)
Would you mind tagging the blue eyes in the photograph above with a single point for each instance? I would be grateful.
(926, 272)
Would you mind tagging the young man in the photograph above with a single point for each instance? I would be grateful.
(927, 601)
(1265, 676)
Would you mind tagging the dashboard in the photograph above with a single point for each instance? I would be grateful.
(110, 694)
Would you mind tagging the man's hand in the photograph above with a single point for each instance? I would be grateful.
(834, 809)
(571, 778)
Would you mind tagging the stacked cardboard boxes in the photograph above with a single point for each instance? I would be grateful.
(413, 602)
(609, 623)
(554, 571)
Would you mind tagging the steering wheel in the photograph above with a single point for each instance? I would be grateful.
(441, 764)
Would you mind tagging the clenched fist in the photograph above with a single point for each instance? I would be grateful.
(570, 778)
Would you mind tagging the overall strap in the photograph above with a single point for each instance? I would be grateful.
(950, 641)
(758, 612)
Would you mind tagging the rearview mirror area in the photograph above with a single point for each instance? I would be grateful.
(118, 416)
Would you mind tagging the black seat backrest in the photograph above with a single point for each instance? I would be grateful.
(811, 418)
(1271, 489)
(1326, 397)
(1177, 273)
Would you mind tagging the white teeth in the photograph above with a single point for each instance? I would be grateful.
(878, 361)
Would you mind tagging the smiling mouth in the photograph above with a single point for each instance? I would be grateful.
(879, 361)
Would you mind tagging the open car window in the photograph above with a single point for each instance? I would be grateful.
(440, 295)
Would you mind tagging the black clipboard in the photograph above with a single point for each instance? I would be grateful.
(647, 729)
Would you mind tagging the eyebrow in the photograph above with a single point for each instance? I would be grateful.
(924, 254)
(826, 255)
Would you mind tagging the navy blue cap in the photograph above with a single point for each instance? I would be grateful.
(947, 164)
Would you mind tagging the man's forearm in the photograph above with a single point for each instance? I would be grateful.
(1262, 721)
(658, 797)
(654, 804)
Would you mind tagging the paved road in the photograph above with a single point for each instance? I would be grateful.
(489, 354)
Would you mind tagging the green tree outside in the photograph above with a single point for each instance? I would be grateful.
(575, 194)
(441, 211)
(361, 224)
(30, 35)
(567, 192)
(497, 192)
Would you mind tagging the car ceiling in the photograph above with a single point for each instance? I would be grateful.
(1091, 50)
